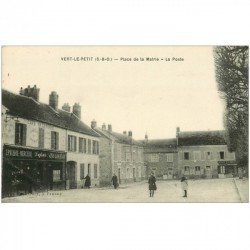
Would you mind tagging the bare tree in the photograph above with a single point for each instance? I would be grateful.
(231, 65)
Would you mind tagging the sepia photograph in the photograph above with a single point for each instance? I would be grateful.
(125, 124)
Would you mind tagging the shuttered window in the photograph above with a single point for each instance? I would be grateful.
(89, 146)
(41, 138)
(72, 143)
(81, 145)
(95, 170)
(54, 140)
(20, 134)
(82, 171)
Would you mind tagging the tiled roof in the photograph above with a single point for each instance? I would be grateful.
(202, 138)
(160, 145)
(121, 138)
(28, 108)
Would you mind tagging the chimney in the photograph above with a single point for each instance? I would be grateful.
(53, 100)
(93, 124)
(125, 132)
(130, 133)
(109, 127)
(30, 92)
(66, 107)
(77, 110)
(103, 126)
(177, 135)
(21, 92)
(146, 137)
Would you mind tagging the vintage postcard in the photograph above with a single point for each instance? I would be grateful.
(124, 124)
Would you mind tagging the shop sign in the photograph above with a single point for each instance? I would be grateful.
(23, 153)
(227, 163)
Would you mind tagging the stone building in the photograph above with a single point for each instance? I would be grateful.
(198, 154)
(45, 147)
(161, 157)
(205, 154)
(119, 154)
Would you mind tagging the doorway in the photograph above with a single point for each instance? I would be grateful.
(71, 170)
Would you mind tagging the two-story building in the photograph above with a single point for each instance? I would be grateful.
(161, 157)
(119, 154)
(45, 147)
(205, 154)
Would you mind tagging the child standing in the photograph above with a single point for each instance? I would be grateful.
(184, 185)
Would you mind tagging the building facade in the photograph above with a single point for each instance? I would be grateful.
(45, 147)
(199, 154)
(161, 157)
(119, 154)
(204, 154)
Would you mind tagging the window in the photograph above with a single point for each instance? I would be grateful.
(56, 175)
(41, 138)
(89, 146)
(20, 134)
(208, 168)
(169, 157)
(186, 170)
(81, 145)
(209, 155)
(154, 157)
(128, 154)
(72, 143)
(84, 145)
(186, 155)
(197, 155)
(197, 168)
(222, 155)
(95, 147)
(54, 140)
(222, 169)
(82, 171)
(95, 170)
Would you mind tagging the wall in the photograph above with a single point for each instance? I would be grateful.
(204, 161)
(163, 167)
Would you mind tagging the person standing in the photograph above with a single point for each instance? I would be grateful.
(152, 185)
(115, 181)
(87, 181)
(184, 185)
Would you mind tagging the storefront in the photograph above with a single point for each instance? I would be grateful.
(27, 170)
(227, 169)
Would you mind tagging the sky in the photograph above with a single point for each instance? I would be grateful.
(141, 96)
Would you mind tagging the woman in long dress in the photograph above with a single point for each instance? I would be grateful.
(152, 186)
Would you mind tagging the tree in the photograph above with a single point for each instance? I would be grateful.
(231, 68)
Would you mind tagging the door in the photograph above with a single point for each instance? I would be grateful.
(71, 169)
(134, 176)
(170, 173)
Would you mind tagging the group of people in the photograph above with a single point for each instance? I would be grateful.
(152, 185)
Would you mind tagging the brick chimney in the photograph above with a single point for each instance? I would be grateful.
(93, 124)
(53, 100)
(66, 107)
(125, 132)
(77, 110)
(103, 126)
(109, 127)
(177, 135)
(30, 92)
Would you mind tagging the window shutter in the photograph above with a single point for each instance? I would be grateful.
(24, 134)
(75, 143)
(57, 140)
(52, 140)
(16, 134)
